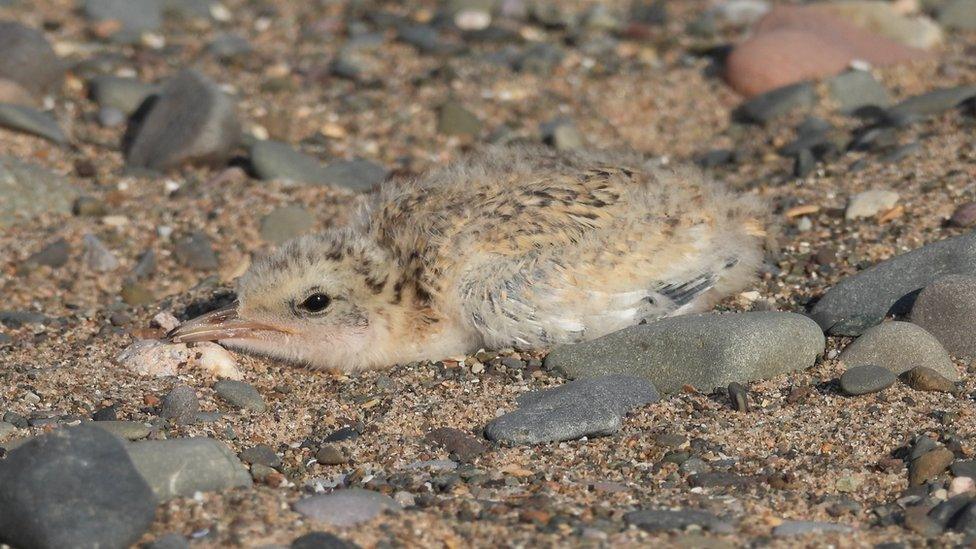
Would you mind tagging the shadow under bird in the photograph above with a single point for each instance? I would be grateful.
(512, 247)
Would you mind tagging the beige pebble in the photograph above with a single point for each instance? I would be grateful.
(961, 485)
(166, 320)
(215, 359)
(150, 357)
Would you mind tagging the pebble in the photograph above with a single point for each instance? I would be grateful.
(31, 121)
(261, 454)
(285, 223)
(179, 467)
(770, 105)
(151, 357)
(330, 454)
(929, 104)
(28, 63)
(7, 429)
(136, 295)
(870, 203)
(740, 12)
(169, 541)
(929, 465)
(918, 31)
(947, 309)
(562, 135)
(961, 485)
(129, 430)
(659, 520)
(215, 360)
(55, 254)
(134, 17)
(964, 216)
(344, 508)
(357, 175)
(738, 396)
(457, 442)
(964, 468)
(273, 160)
(240, 394)
(704, 350)
(97, 255)
(196, 252)
(145, 265)
(863, 300)
(855, 89)
(321, 540)
(229, 46)
(556, 414)
(866, 379)
(54, 492)
(191, 121)
(121, 94)
(802, 527)
(958, 15)
(921, 378)
(454, 119)
(899, 347)
(180, 404)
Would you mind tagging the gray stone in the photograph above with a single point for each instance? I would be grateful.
(31, 121)
(189, 9)
(585, 407)
(964, 468)
(261, 454)
(890, 287)
(16, 319)
(7, 429)
(454, 119)
(55, 254)
(134, 16)
(947, 309)
(169, 541)
(865, 379)
(705, 351)
(768, 106)
(123, 94)
(562, 135)
(856, 89)
(228, 46)
(899, 347)
(457, 442)
(347, 507)
(196, 252)
(355, 175)
(190, 121)
(958, 15)
(28, 60)
(180, 404)
(240, 394)
(181, 466)
(283, 224)
(275, 160)
(110, 117)
(97, 255)
(930, 104)
(129, 430)
(27, 191)
(801, 527)
(73, 487)
(658, 520)
(321, 540)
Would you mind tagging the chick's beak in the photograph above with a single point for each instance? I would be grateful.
(216, 325)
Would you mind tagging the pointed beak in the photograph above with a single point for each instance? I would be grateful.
(216, 325)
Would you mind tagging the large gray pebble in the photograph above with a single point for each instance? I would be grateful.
(190, 121)
(930, 103)
(890, 287)
(705, 351)
(766, 107)
(275, 160)
(865, 379)
(947, 310)
(347, 507)
(355, 175)
(856, 89)
(899, 347)
(180, 467)
(123, 94)
(27, 191)
(97, 255)
(240, 394)
(74, 487)
(134, 16)
(27, 59)
(31, 121)
(585, 407)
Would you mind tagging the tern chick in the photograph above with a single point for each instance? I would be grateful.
(513, 247)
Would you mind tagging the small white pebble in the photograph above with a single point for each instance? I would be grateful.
(115, 220)
(751, 295)
(260, 132)
(404, 498)
(153, 40)
(31, 397)
(171, 186)
(832, 354)
(220, 13)
(262, 24)
(216, 360)
(477, 368)
(164, 231)
(961, 485)
(166, 320)
(472, 19)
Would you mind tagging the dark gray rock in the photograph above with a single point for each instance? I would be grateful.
(16, 319)
(196, 252)
(31, 121)
(347, 507)
(768, 106)
(947, 309)
(659, 520)
(865, 379)
(261, 454)
(73, 487)
(853, 90)
(356, 175)
(275, 160)
(322, 540)
(285, 223)
(958, 15)
(899, 347)
(705, 351)
(890, 287)
(27, 59)
(55, 254)
(738, 397)
(134, 16)
(123, 94)
(240, 394)
(180, 404)
(585, 407)
(181, 466)
(457, 442)
(190, 121)
(964, 468)
(929, 104)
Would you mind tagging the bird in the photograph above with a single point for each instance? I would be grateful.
(511, 247)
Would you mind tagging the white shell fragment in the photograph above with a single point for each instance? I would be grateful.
(151, 357)
(216, 360)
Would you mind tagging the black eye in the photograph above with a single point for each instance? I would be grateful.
(316, 303)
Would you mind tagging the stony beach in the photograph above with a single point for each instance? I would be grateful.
(150, 150)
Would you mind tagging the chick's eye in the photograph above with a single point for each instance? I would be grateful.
(316, 303)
